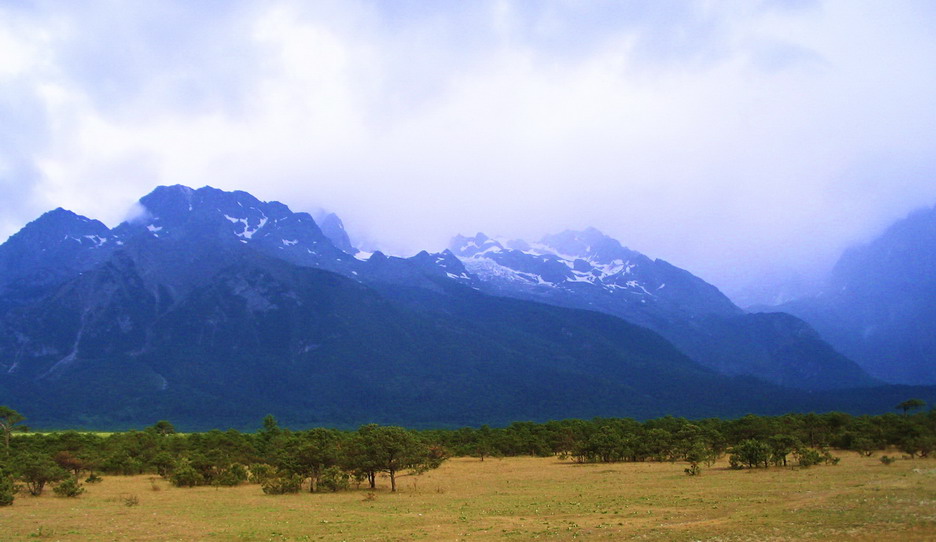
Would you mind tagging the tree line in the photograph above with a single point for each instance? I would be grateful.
(281, 460)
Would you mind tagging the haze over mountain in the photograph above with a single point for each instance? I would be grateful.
(212, 306)
(878, 306)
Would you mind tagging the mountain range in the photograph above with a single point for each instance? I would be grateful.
(878, 305)
(213, 308)
(590, 270)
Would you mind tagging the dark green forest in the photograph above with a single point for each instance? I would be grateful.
(281, 460)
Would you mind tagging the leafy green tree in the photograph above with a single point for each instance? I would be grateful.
(162, 427)
(484, 444)
(391, 449)
(37, 470)
(9, 420)
(312, 452)
(781, 446)
(750, 453)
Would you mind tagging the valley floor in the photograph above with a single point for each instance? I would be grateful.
(514, 499)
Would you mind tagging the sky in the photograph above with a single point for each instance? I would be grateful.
(749, 141)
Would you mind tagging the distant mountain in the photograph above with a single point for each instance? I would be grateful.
(333, 228)
(590, 270)
(879, 304)
(213, 308)
(48, 251)
(206, 309)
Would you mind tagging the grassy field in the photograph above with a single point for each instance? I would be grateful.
(514, 499)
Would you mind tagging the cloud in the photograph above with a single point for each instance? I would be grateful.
(728, 137)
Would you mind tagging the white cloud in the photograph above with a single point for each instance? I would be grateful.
(726, 137)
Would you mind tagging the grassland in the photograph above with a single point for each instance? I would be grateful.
(514, 499)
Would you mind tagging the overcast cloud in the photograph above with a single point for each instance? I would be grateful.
(736, 139)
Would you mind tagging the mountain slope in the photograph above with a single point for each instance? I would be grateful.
(879, 305)
(263, 335)
(212, 308)
(590, 270)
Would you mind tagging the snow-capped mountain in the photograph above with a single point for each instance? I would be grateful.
(213, 307)
(589, 270)
(586, 263)
(48, 251)
(217, 298)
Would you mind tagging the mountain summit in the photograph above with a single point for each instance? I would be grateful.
(212, 308)
(589, 270)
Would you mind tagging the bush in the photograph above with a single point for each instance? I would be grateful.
(830, 459)
(232, 476)
(93, 479)
(334, 479)
(260, 472)
(7, 489)
(186, 476)
(281, 484)
(68, 488)
(887, 460)
(693, 469)
(808, 457)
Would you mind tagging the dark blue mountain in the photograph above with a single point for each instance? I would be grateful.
(213, 308)
(879, 305)
(590, 270)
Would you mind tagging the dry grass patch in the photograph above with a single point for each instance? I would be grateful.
(514, 499)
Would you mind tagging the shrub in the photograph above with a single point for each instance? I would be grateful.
(830, 459)
(807, 457)
(281, 484)
(68, 488)
(260, 472)
(887, 460)
(232, 476)
(7, 489)
(693, 469)
(334, 479)
(186, 476)
(93, 479)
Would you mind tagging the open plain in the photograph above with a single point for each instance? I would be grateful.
(859, 499)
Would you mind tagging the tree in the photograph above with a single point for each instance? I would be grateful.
(37, 470)
(7, 488)
(911, 404)
(750, 453)
(392, 449)
(310, 453)
(70, 462)
(162, 427)
(9, 419)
